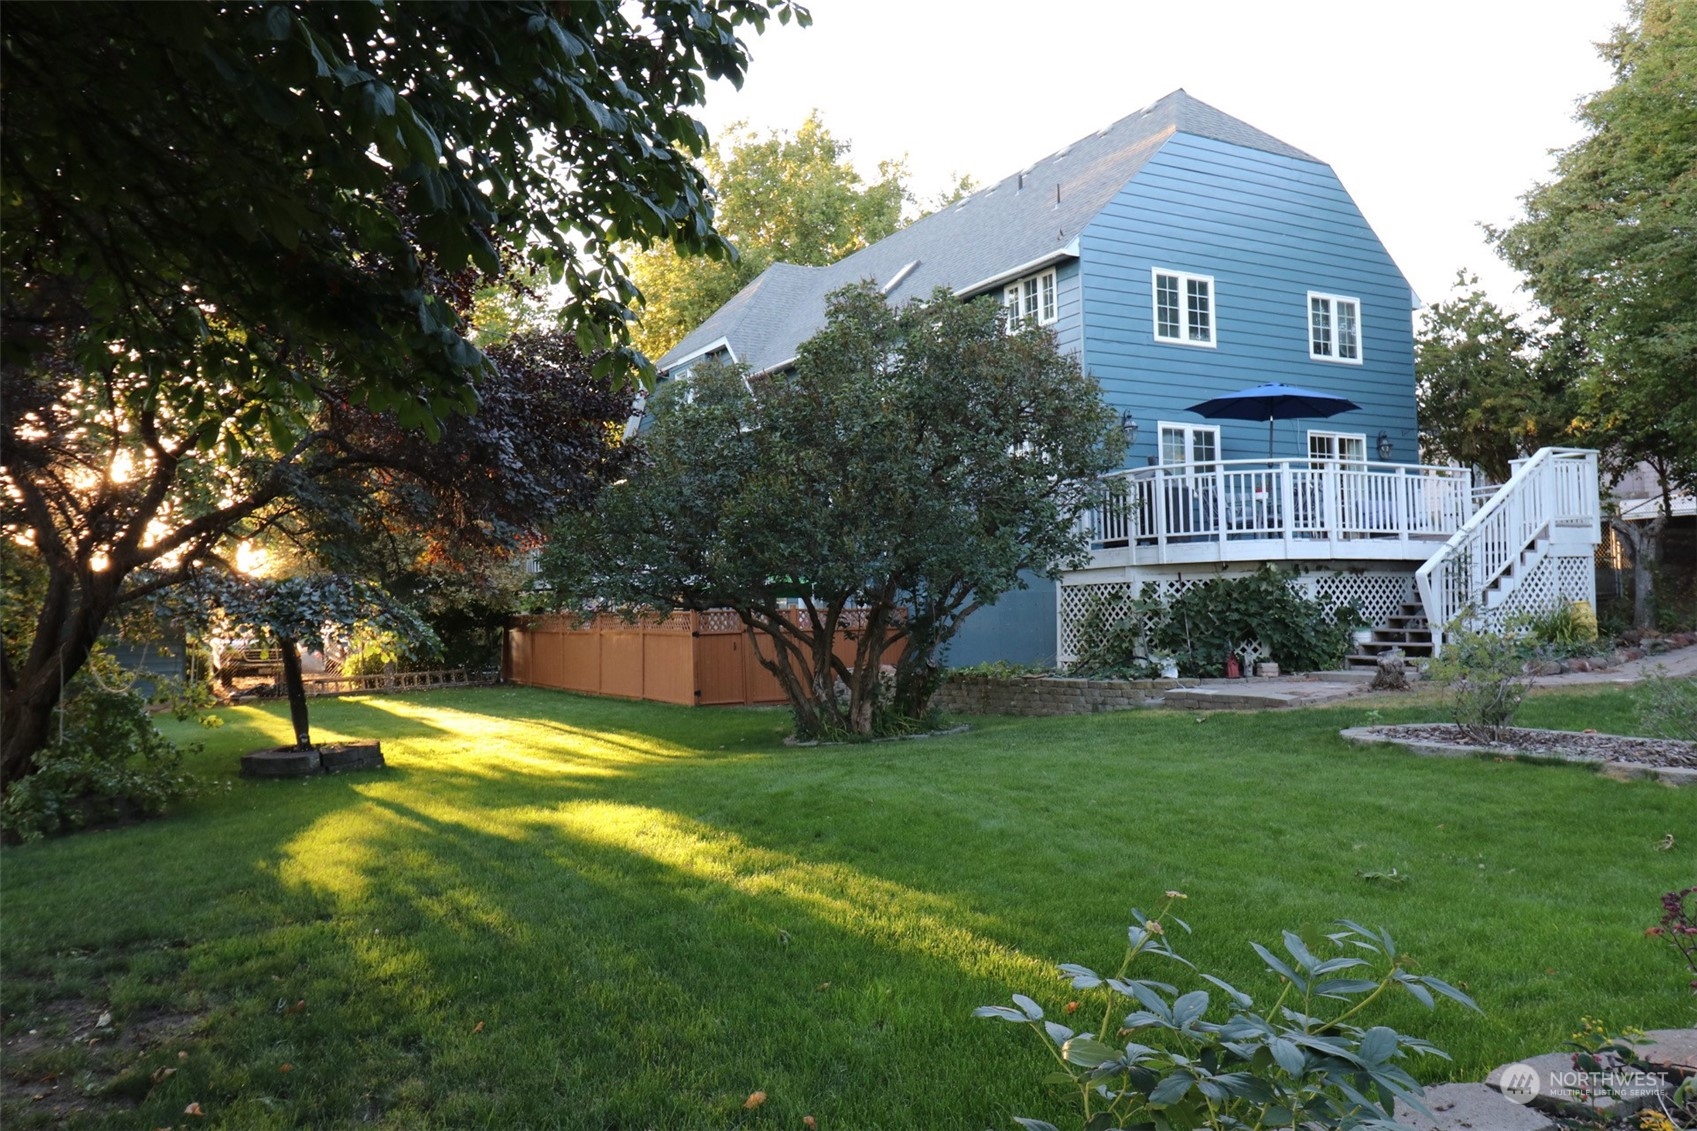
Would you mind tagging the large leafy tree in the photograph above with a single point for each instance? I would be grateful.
(224, 224)
(1610, 248)
(785, 197)
(910, 467)
(1490, 389)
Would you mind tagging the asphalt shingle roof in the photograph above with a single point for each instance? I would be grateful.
(1027, 216)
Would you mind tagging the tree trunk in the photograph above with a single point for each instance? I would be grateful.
(29, 727)
(296, 688)
(68, 625)
(782, 667)
(1644, 544)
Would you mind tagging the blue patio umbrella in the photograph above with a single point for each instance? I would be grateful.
(1273, 402)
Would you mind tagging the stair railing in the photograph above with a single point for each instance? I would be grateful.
(1553, 487)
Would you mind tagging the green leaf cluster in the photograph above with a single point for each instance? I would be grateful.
(1667, 705)
(1608, 247)
(106, 763)
(1489, 389)
(1207, 621)
(906, 471)
(782, 198)
(224, 228)
(321, 607)
(1301, 1060)
(255, 195)
(1486, 673)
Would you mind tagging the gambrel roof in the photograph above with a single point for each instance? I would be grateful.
(1022, 222)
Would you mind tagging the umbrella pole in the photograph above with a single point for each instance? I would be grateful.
(1269, 436)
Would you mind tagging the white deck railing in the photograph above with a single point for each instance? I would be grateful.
(1553, 489)
(1295, 501)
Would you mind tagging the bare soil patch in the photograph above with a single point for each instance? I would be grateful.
(70, 1058)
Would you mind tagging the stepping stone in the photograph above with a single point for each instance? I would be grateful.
(283, 762)
(343, 756)
(1472, 1107)
(1563, 1089)
(1208, 699)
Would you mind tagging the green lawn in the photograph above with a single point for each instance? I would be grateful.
(559, 911)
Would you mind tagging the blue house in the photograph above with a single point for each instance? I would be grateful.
(1184, 254)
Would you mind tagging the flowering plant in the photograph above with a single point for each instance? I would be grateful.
(1679, 926)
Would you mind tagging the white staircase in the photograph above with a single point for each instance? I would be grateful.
(1528, 546)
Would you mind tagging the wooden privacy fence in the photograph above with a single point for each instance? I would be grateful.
(703, 659)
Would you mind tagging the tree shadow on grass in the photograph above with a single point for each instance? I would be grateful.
(648, 937)
(636, 968)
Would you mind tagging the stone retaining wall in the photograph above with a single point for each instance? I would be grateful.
(1045, 695)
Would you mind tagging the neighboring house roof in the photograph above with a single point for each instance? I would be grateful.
(1014, 226)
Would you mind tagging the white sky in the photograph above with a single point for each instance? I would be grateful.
(1436, 114)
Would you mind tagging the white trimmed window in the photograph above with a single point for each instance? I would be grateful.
(1184, 307)
(1337, 447)
(1031, 299)
(1190, 443)
(1334, 328)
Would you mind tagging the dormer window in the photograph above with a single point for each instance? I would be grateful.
(1031, 299)
(1334, 328)
(1184, 307)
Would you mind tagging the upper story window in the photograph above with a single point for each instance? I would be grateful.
(1031, 299)
(1334, 328)
(1184, 308)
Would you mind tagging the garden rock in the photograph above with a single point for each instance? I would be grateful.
(1471, 1107)
(1559, 1093)
(1673, 1049)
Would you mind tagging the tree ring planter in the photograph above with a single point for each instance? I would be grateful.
(344, 756)
(333, 758)
(1612, 755)
(281, 762)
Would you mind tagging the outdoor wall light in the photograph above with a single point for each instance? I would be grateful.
(1128, 425)
(1385, 446)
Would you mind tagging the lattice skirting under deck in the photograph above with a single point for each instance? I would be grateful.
(1556, 578)
(1376, 595)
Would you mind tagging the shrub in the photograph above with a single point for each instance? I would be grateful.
(1208, 620)
(107, 764)
(1003, 669)
(1667, 706)
(1569, 628)
(1486, 674)
(1300, 1061)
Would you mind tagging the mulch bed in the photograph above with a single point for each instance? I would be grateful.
(1662, 752)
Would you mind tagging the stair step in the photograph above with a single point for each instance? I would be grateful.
(1407, 648)
(1371, 660)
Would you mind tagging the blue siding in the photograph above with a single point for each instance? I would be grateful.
(1268, 229)
(1069, 307)
(1019, 629)
(1068, 326)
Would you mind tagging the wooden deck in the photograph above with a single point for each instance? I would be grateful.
(1277, 510)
